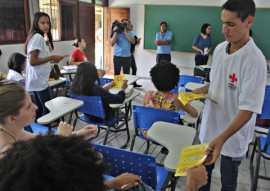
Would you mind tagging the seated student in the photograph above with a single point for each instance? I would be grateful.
(165, 77)
(84, 83)
(54, 162)
(17, 111)
(16, 64)
(78, 56)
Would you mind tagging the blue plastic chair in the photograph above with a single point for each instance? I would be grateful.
(144, 117)
(260, 129)
(104, 81)
(184, 79)
(93, 105)
(143, 165)
(39, 129)
(263, 147)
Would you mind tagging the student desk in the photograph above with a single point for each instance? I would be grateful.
(127, 103)
(173, 137)
(130, 78)
(59, 107)
(68, 72)
(56, 84)
(192, 86)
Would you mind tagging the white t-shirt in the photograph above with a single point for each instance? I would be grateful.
(37, 76)
(13, 75)
(238, 82)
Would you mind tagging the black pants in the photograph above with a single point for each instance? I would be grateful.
(201, 60)
(133, 65)
(166, 57)
(120, 62)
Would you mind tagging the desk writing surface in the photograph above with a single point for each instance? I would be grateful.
(173, 137)
(134, 94)
(59, 107)
(57, 82)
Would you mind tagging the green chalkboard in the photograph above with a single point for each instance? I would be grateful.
(185, 23)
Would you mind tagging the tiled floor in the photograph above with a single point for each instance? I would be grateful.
(117, 140)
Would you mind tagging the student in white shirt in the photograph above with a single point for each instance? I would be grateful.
(16, 64)
(38, 61)
(238, 79)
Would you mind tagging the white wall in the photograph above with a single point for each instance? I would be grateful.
(145, 59)
(60, 48)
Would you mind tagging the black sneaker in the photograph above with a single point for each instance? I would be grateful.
(135, 85)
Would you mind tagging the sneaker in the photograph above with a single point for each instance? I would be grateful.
(137, 85)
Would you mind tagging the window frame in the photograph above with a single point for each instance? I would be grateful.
(27, 26)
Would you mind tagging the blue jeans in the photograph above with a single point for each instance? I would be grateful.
(120, 62)
(40, 98)
(229, 174)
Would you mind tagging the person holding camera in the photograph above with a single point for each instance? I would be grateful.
(133, 62)
(121, 39)
(163, 42)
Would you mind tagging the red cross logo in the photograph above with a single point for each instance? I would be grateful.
(233, 78)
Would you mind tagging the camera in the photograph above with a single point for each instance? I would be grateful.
(120, 26)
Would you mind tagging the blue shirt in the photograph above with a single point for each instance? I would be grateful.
(164, 49)
(202, 43)
(122, 45)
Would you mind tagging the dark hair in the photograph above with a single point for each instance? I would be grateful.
(52, 162)
(165, 76)
(76, 42)
(243, 8)
(12, 96)
(163, 22)
(15, 62)
(84, 79)
(0, 52)
(34, 29)
(204, 27)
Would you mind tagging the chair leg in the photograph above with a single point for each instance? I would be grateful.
(253, 153)
(132, 143)
(106, 136)
(255, 181)
(128, 135)
(147, 147)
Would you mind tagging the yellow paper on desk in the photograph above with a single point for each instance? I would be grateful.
(191, 156)
(186, 97)
(118, 81)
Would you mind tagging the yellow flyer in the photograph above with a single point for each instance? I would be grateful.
(118, 81)
(186, 97)
(191, 156)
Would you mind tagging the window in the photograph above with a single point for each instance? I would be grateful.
(63, 17)
(14, 21)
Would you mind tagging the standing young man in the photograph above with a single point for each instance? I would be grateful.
(163, 42)
(122, 43)
(238, 79)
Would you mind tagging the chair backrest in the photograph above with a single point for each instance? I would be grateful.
(266, 105)
(122, 161)
(104, 81)
(184, 79)
(91, 105)
(144, 117)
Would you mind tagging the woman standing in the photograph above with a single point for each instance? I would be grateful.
(202, 45)
(78, 56)
(38, 61)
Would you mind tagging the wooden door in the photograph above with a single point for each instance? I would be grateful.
(86, 15)
(111, 14)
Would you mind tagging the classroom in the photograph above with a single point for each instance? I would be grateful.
(145, 26)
